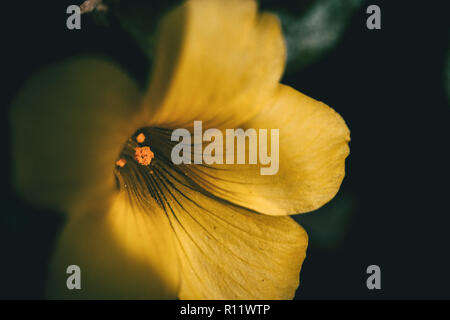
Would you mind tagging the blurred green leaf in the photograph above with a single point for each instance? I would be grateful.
(328, 225)
(315, 30)
(140, 18)
(311, 27)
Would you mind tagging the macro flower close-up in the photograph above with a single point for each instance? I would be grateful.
(89, 142)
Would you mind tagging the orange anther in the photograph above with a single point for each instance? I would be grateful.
(140, 138)
(121, 163)
(143, 155)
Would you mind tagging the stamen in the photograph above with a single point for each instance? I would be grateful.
(143, 155)
(140, 138)
(121, 163)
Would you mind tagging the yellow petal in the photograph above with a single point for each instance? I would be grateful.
(228, 252)
(125, 253)
(69, 123)
(313, 145)
(216, 61)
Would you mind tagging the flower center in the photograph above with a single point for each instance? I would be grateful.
(142, 154)
(146, 171)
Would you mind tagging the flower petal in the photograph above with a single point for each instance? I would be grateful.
(125, 253)
(69, 123)
(228, 252)
(313, 145)
(217, 61)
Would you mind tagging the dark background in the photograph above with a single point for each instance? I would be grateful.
(387, 84)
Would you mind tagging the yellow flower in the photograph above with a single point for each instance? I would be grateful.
(87, 142)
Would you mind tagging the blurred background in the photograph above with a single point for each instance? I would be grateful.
(392, 86)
